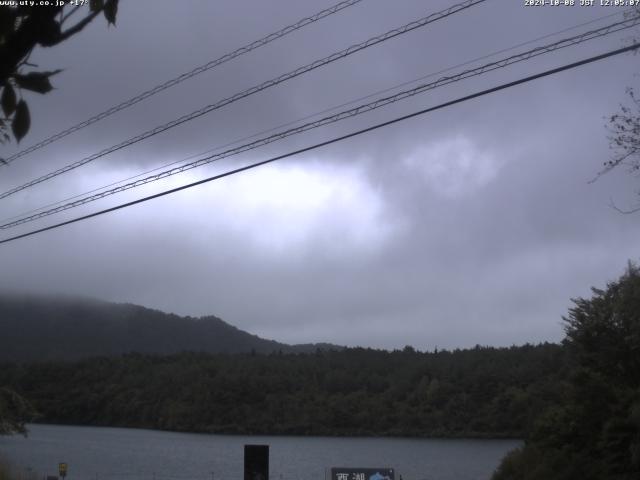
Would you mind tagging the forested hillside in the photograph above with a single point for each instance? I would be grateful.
(37, 328)
(482, 392)
(576, 404)
(592, 430)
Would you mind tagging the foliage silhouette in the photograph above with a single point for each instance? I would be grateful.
(594, 431)
(23, 28)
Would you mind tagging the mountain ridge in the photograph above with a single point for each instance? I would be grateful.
(42, 328)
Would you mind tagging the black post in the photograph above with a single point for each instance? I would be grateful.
(256, 462)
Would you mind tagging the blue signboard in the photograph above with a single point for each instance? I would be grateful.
(351, 473)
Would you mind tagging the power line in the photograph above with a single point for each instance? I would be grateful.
(258, 88)
(339, 116)
(185, 76)
(503, 86)
(577, 39)
(307, 117)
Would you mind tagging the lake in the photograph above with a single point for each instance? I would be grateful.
(127, 454)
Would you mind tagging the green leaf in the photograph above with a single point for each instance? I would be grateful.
(35, 81)
(110, 11)
(8, 100)
(96, 5)
(21, 121)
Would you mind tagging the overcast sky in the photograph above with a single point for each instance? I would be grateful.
(474, 224)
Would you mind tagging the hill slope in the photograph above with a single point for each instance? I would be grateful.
(40, 329)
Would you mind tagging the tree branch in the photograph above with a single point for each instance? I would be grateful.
(65, 17)
(78, 26)
(619, 210)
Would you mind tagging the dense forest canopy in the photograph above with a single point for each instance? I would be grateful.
(481, 392)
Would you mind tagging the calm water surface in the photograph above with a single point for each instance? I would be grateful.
(127, 454)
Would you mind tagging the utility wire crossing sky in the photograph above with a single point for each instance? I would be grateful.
(338, 139)
(422, 22)
(575, 40)
(185, 76)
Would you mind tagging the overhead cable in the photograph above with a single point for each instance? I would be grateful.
(185, 76)
(258, 88)
(307, 117)
(503, 86)
(381, 102)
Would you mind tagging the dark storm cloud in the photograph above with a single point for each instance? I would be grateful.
(474, 224)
